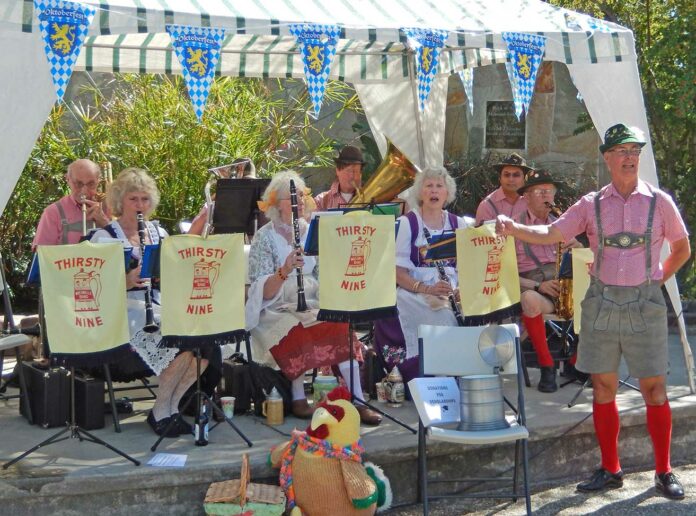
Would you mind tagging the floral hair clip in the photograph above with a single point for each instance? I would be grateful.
(272, 201)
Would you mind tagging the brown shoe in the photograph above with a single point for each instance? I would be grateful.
(369, 416)
(301, 409)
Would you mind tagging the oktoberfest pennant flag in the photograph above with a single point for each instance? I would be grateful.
(427, 44)
(318, 47)
(357, 276)
(489, 284)
(202, 289)
(198, 50)
(525, 52)
(63, 26)
(84, 293)
(583, 260)
(467, 77)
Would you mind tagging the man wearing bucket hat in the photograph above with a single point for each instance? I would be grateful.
(349, 165)
(624, 311)
(537, 269)
(505, 200)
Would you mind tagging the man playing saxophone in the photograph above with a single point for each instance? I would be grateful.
(62, 222)
(537, 266)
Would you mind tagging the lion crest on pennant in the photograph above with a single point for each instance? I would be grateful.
(523, 64)
(62, 37)
(314, 54)
(197, 60)
(426, 58)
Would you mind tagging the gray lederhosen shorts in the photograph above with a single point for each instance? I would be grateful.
(623, 320)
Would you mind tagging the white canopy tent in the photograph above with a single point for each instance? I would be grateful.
(130, 36)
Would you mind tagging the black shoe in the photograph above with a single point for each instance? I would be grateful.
(601, 479)
(547, 382)
(181, 426)
(160, 426)
(668, 485)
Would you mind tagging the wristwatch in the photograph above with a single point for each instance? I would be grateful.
(536, 286)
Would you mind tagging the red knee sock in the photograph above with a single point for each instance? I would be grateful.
(659, 419)
(537, 334)
(606, 423)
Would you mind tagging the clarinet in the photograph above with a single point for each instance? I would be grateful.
(301, 301)
(150, 324)
(443, 277)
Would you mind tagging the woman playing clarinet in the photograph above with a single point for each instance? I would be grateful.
(278, 328)
(426, 291)
(133, 196)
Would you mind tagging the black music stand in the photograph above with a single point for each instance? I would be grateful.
(199, 395)
(351, 318)
(236, 209)
(194, 344)
(75, 431)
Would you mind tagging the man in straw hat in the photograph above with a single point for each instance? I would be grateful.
(624, 311)
(505, 200)
(349, 166)
(537, 268)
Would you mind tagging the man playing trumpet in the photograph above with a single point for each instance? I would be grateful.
(62, 222)
(624, 311)
(537, 268)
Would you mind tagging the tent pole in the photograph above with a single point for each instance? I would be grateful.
(688, 356)
(414, 89)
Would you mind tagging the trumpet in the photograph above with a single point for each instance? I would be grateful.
(301, 301)
(100, 196)
(563, 304)
(150, 324)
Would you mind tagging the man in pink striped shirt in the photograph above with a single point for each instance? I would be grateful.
(505, 200)
(624, 311)
(537, 268)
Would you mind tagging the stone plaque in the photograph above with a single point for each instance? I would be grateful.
(503, 130)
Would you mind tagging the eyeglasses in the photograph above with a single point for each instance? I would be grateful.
(624, 153)
(80, 185)
(543, 191)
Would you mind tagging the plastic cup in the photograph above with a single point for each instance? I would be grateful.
(227, 403)
(381, 393)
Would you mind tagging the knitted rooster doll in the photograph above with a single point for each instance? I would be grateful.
(321, 469)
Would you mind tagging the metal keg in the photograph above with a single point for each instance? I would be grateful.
(482, 404)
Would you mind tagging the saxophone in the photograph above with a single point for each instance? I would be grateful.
(563, 304)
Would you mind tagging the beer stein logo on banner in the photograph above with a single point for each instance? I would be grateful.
(86, 290)
(359, 254)
(205, 274)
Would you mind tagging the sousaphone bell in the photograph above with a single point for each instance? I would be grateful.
(395, 174)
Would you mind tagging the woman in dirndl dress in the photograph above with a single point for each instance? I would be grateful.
(278, 332)
(421, 296)
(135, 191)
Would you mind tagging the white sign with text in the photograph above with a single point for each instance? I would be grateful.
(437, 399)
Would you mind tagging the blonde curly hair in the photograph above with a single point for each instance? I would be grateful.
(131, 180)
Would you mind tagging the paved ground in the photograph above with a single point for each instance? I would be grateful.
(637, 497)
(78, 478)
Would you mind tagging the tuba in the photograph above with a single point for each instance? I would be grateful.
(393, 176)
(563, 305)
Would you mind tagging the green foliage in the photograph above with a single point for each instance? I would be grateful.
(666, 49)
(147, 121)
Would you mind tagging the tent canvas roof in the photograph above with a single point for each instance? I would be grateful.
(130, 36)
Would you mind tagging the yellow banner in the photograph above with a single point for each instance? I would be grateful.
(202, 284)
(487, 269)
(84, 293)
(357, 269)
(583, 258)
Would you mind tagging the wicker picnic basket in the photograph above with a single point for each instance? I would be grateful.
(242, 497)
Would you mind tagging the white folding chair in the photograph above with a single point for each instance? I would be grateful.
(454, 351)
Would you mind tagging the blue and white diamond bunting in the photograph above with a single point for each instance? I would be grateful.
(317, 44)
(63, 27)
(467, 77)
(427, 44)
(525, 52)
(198, 50)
